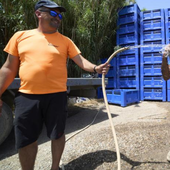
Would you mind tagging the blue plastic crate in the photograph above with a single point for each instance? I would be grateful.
(134, 8)
(153, 94)
(151, 46)
(151, 70)
(153, 82)
(128, 59)
(99, 93)
(125, 71)
(112, 62)
(167, 22)
(128, 28)
(167, 35)
(151, 58)
(128, 38)
(168, 90)
(168, 95)
(167, 12)
(152, 14)
(152, 24)
(152, 35)
(128, 18)
(128, 82)
(111, 72)
(168, 84)
(167, 25)
(111, 82)
(167, 17)
(122, 97)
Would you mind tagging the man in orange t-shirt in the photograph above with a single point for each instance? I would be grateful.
(40, 56)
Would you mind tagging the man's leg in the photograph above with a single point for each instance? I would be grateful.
(57, 147)
(27, 156)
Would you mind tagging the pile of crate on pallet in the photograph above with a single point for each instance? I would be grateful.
(136, 73)
(153, 87)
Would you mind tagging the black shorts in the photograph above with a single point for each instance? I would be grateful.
(34, 110)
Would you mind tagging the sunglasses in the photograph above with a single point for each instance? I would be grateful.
(53, 13)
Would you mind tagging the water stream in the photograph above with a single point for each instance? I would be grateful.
(148, 45)
(160, 46)
(147, 48)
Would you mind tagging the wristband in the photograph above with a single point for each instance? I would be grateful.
(95, 69)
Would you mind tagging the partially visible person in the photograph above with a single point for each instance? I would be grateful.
(165, 68)
(166, 72)
(40, 56)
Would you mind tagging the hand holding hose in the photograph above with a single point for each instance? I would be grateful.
(102, 68)
(166, 51)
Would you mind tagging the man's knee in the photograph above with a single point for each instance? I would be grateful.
(32, 146)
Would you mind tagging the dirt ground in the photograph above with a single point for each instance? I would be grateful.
(143, 133)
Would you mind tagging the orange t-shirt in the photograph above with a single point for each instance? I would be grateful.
(43, 59)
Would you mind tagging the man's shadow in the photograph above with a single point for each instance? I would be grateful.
(92, 160)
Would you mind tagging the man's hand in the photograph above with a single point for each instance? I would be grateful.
(103, 68)
(0, 107)
(166, 51)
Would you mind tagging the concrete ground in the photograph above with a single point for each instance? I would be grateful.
(143, 133)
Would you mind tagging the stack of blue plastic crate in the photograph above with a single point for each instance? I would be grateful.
(127, 62)
(124, 89)
(128, 34)
(152, 85)
(140, 69)
(167, 29)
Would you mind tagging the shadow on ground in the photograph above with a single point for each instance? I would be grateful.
(93, 160)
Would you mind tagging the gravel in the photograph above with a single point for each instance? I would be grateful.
(142, 131)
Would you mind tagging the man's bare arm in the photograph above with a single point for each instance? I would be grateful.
(8, 72)
(88, 66)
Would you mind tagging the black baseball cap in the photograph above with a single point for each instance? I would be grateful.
(48, 4)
